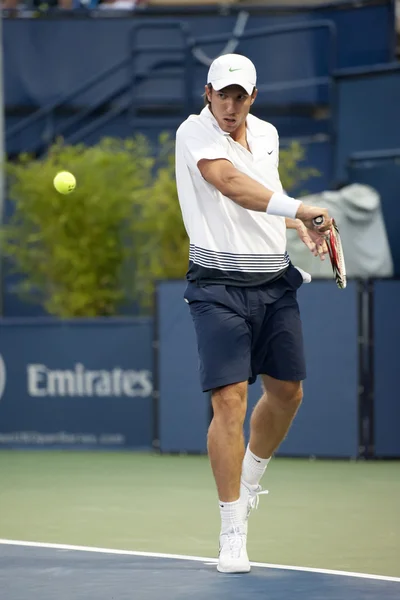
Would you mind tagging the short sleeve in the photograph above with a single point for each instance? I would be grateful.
(198, 142)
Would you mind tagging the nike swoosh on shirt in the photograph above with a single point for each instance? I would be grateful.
(270, 152)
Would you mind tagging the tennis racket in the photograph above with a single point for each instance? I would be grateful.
(335, 250)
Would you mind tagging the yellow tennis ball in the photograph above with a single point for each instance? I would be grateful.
(64, 182)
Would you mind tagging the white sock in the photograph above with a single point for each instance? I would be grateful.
(253, 467)
(232, 514)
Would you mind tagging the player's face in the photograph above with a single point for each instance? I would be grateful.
(230, 106)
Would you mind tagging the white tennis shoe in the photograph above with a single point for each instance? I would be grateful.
(232, 550)
(233, 556)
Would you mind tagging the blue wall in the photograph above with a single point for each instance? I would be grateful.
(368, 114)
(41, 64)
(386, 358)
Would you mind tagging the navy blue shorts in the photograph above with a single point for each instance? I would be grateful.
(243, 332)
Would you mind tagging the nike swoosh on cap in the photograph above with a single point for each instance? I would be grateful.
(231, 70)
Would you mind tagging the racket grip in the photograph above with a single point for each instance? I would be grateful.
(318, 221)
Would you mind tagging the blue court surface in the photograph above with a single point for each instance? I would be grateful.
(37, 571)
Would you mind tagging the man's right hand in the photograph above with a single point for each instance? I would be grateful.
(308, 213)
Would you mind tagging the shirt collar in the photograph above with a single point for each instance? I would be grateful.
(253, 126)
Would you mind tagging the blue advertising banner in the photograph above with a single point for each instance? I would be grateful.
(183, 410)
(79, 383)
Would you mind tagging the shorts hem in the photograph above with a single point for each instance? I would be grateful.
(222, 382)
(286, 376)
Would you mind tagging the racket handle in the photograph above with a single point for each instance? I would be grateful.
(318, 221)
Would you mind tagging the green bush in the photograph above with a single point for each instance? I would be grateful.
(103, 246)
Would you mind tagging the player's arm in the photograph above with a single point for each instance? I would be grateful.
(234, 184)
(252, 195)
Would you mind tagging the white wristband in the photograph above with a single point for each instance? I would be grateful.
(283, 206)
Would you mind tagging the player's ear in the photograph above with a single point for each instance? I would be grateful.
(207, 92)
(254, 95)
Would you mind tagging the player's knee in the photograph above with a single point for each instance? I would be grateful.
(230, 403)
(292, 393)
(288, 394)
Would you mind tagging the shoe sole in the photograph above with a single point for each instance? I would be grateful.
(234, 570)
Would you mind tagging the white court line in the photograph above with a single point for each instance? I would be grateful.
(193, 558)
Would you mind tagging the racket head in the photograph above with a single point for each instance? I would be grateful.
(336, 256)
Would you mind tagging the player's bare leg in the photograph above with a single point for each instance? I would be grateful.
(273, 415)
(269, 423)
(226, 452)
(225, 439)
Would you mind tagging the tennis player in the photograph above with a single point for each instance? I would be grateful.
(242, 287)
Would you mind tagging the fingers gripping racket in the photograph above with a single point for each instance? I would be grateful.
(335, 250)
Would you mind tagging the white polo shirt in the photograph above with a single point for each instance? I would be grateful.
(229, 244)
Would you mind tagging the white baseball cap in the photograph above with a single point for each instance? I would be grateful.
(232, 69)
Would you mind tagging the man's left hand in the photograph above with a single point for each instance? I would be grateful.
(313, 240)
